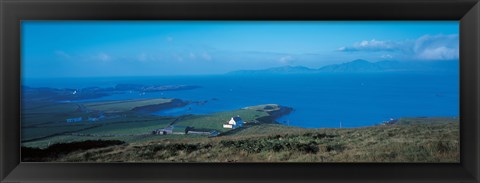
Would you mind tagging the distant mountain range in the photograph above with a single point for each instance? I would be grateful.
(360, 66)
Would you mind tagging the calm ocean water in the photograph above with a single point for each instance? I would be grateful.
(323, 100)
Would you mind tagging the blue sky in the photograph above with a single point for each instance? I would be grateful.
(141, 48)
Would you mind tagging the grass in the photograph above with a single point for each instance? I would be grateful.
(269, 129)
(49, 107)
(44, 143)
(264, 107)
(60, 149)
(48, 112)
(429, 142)
(51, 127)
(130, 128)
(215, 121)
(427, 120)
(41, 119)
(124, 105)
(33, 133)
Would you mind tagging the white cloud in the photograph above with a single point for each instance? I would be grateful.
(438, 53)
(437, 47)
(372, 45)
(427, 47)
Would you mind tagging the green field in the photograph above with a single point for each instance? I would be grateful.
(48, 113)
(130, 128)
(45, 120)
(51, 107)
(215, 121)
(39, 132)
(136, 126)
(123, 105)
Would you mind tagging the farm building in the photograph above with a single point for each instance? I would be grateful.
(73, 120)
(163, 131)
(234, 122)
(179, 130)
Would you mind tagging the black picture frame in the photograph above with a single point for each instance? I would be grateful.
(13, 11)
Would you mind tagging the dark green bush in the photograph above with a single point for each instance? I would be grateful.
(307, 148)
(335, 147)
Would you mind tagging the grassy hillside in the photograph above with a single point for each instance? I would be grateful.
(429, 142)
(426, 120)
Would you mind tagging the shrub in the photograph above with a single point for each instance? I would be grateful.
(227, 143)
(277, 147)
(56, 150)
(335, 147)
(443, 146)
(307, 148)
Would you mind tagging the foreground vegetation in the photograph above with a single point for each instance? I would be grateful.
(421, 142)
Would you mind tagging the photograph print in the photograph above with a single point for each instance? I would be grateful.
(240, 91)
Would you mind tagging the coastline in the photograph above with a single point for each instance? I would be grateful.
(174, 103)
(276, 114)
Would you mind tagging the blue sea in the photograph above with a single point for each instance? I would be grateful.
(318, 100)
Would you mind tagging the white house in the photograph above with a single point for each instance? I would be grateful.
(234, 122)
(163, 131)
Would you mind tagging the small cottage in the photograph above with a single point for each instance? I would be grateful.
(234, 122)
(163, 131)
